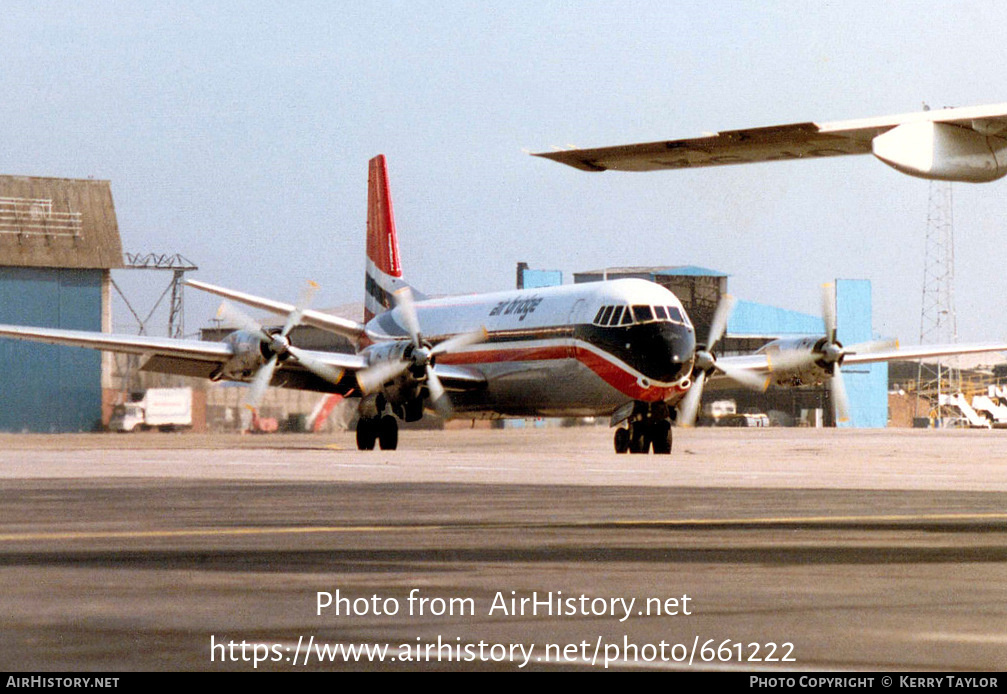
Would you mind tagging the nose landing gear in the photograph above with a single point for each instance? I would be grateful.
(647, 428)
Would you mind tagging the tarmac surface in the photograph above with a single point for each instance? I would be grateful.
(536, 549)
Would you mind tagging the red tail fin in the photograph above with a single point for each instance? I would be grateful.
(384, 273)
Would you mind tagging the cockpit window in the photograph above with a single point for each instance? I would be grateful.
(642, 314)
(637, 314)
(676, 316)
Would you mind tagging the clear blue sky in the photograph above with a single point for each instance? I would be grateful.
(238, 134)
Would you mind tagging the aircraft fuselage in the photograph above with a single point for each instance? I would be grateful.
(571, 350)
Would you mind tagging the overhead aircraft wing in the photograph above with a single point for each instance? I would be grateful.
(962, 144)
(322, 321)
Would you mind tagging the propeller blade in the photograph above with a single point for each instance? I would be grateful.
(690, 403)
(749, 379)
(437, 395)
(720, 317)
(247, 412)
(330, 373)
(829, 310)
(372, 378)
(873, 346)
(791, 360)
(294, 317)
(259, 384)
(459, 341)
(235, 316)
(407, 311)
(840, 401)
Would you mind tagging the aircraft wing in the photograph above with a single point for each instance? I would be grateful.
(194, 358)
(923, 352)
(199, 359)
(317, 319)
(213, 352)
(763, 363)
(965, 144)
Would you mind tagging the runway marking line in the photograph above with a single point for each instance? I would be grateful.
(961, 637)
(423, 527)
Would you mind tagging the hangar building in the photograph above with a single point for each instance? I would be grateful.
(59, 240)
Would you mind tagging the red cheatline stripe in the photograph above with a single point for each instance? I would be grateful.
(613, 374)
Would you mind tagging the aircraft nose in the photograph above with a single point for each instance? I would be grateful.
(674, 358)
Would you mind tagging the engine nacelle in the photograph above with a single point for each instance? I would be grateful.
(249, 355)
(403, 392)
(796, 361)
(943, 152)
(393, 350)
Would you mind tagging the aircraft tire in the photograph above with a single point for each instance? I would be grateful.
(388, 433)
(366, 434)
(621, 440)
(661, 437)
(639, 438)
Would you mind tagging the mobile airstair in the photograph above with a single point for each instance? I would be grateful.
(992, 407)
(969, 416)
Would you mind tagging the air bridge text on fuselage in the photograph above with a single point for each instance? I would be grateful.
(520, 307)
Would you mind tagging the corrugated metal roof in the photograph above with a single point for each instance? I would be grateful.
(690, 271)
(58, 222)
(687, 270)
(759, 320)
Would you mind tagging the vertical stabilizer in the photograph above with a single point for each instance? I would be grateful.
(384, 272)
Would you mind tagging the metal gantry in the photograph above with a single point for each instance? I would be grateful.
(178, 265)
(938, 320)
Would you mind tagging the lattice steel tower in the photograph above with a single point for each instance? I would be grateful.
(938, 322)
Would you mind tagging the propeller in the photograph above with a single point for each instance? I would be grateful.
(421, 355)
(828, 354)
(706, 363)
(279, 345)
(832, 354)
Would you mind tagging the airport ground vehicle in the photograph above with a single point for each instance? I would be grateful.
(166, 409)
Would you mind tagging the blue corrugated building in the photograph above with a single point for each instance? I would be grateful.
(59, 240)
(866, 384)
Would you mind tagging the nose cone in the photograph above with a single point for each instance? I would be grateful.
(667, 351)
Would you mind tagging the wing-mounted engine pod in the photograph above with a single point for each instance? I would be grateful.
(398, 350)
(942, 152)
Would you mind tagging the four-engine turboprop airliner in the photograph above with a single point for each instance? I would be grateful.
(623, 349)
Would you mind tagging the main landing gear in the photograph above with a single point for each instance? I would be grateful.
(381, 430)
(375, 427)
(648, 427)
